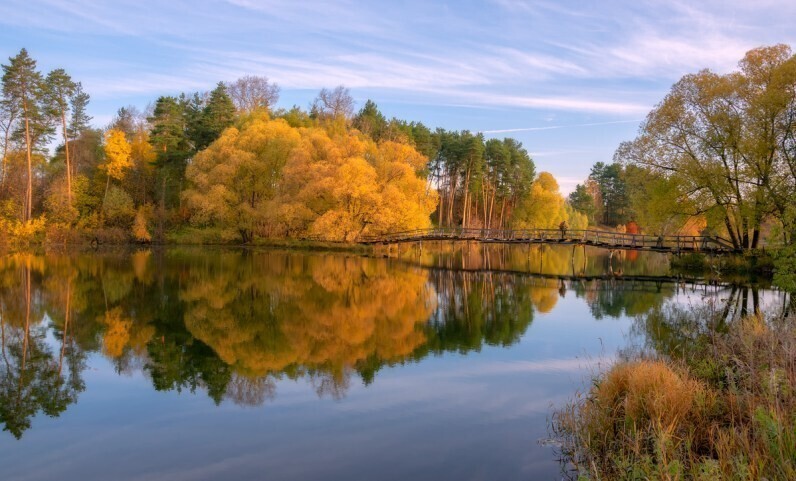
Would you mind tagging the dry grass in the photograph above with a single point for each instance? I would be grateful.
(725, 412)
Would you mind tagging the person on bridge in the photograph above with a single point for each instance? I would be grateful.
(563, 226)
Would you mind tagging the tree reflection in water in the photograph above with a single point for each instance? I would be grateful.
(232, 323)
(34, 377)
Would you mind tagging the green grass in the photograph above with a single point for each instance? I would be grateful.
(751, 263)
(209, 236)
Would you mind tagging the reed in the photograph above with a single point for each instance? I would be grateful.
(724, 410)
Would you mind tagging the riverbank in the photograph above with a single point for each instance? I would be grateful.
(117, 238)
(716, 401)
(752, 263)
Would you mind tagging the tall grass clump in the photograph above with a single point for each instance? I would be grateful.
(726, 409)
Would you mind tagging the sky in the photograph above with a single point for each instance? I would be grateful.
(569, 79)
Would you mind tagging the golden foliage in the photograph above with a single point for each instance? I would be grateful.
(327, 316)
(23, 232)
(140, 228)
(117, 332)
(270, 178)
(544, 207)
(117, 154)
(236, 175)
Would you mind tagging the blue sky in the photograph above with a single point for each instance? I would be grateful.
(569, 79)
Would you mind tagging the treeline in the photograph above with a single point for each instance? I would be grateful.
(718, 155)
(228, 165)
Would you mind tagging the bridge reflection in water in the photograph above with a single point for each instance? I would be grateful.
(588, 237)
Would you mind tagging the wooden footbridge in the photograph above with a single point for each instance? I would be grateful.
(586, 237)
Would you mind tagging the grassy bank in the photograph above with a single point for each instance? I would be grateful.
(756, 263)
(723, 408)
(95, 238)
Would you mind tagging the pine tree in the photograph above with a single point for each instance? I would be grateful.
(172, 147)
(218, 114)
(8, 117)
(23, 88)
(370, 121)
(79, 122)
(60, 90)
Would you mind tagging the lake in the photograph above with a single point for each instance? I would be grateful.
(437, 362)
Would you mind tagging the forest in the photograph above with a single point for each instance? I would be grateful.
(228, 166)
(716, 156)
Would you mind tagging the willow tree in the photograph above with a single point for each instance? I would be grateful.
(231, 180)
(727, 141)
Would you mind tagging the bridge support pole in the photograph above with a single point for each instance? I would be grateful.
(584, 259)
(574, 246)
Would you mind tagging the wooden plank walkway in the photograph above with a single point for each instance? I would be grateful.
(588, 237)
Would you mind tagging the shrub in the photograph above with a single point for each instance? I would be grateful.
(725, 410)
(118, 208)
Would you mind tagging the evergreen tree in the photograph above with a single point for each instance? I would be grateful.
(60, 90)
(24, 89)
(582, 201)
(613, 192)
(79, 122)
(172, 147)
(217, 115)
(370, 121)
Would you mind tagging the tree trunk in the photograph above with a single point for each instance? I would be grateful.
(5, 155)
(68, 163)
(451, 199)
(492, 206)
(466, 198)
(28, 148)
(731, 232)
(502, 211)
(484, 196)
(105, 197)
(441, 205)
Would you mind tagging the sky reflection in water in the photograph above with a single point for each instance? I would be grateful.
(188, 364)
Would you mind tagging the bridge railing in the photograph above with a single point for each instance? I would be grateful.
(581, 236)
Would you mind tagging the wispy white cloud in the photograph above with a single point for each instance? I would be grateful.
(556, 127)
(504, 62)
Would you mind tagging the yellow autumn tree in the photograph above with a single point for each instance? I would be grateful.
(234, 178)
(344, 185)
(267, 178)
(544, 207)
(117, 157)
(117, 154)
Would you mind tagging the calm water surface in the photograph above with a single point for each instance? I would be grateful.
(230, 364)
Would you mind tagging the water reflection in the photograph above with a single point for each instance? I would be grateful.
(232, 324)
(673, 328)
(34, 377)
(540, 259)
